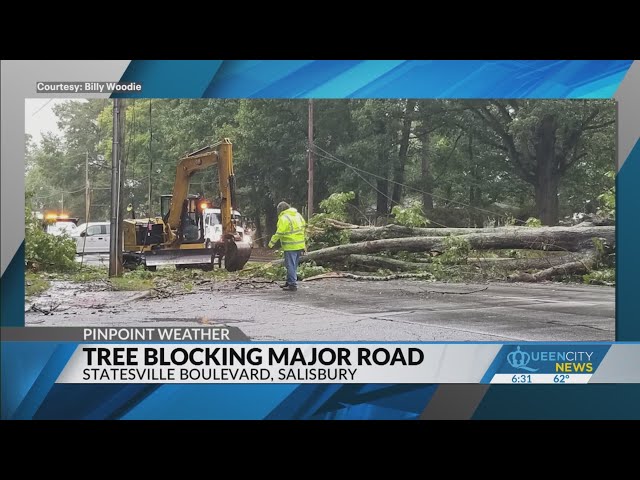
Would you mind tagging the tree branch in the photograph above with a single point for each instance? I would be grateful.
(592, 115)
(503, 111)
(495, 124)
(564, 165)
(453, 149)
(524, 173)
(483, 139)
(599, 125)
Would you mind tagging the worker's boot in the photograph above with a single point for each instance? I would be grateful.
(285, 286)
(291, 288)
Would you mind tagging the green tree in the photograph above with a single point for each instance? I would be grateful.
(543, 139)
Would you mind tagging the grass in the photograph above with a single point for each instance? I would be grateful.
(606, 276)
(130, 284)
(133, 280)
(84, 274)
(278, 272)
(35, 284)
(142, 279)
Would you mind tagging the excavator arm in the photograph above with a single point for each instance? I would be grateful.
(220, 154)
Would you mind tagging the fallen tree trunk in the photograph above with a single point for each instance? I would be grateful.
(522, 263)
(374, 278)
(546, 238)
(369, 261)
(362, 234)
(578, 267)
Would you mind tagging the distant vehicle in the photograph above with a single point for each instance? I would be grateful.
(213, 226)
(94, 238)
(55, 224)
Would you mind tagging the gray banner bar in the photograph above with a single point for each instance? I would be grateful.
(128, 334)
(620, 365)
(454, 402)
(628, 97)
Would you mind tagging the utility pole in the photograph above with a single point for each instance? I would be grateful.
(86, 188)
(150, 160)
(310, 181)
(115, 266)
(62, 203)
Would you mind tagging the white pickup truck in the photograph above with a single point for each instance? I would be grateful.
(213, 226)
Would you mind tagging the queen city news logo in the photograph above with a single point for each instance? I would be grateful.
(569, 361)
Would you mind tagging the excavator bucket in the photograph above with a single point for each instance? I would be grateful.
(179, 257)
(237, 255)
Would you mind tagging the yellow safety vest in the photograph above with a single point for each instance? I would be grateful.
(290, 230)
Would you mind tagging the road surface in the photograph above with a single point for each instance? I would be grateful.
(260, 255)
(344, 309)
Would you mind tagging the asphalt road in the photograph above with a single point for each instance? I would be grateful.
(343, 309)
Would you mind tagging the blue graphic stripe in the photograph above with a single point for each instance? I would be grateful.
(21, 364)
(419, 78)
(568, 402)
(44, 382)
(12, 291)
(169, 78)
(354, 402)
(210, 402)
(628, 230)
(92, 401)
(264, 78)
(501, 358)
(352, 80)
(311, 75)
(377, 78)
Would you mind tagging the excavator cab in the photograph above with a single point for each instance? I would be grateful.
(191, 228)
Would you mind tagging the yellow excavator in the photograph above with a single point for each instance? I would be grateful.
(177, 237)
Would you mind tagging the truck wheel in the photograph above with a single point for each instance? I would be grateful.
(151, 268)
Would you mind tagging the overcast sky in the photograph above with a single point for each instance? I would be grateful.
(39, 117)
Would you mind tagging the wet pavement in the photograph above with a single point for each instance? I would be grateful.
(344, 309)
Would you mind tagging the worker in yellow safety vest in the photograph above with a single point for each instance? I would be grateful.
(290, 233)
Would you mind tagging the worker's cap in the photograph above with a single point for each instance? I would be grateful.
(282, 206)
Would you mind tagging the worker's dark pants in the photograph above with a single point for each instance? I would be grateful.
(291, 259)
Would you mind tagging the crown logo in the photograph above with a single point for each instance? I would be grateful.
(520, 360)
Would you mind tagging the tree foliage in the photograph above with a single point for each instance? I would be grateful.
(44, 251)
(410, 216)
(465, 163)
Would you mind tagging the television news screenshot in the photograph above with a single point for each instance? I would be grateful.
(320, 239)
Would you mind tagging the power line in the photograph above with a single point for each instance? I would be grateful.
(433, 195)
(150, 164)
(60, 192)
(133, 155)
(387, 196)
(48, 101)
